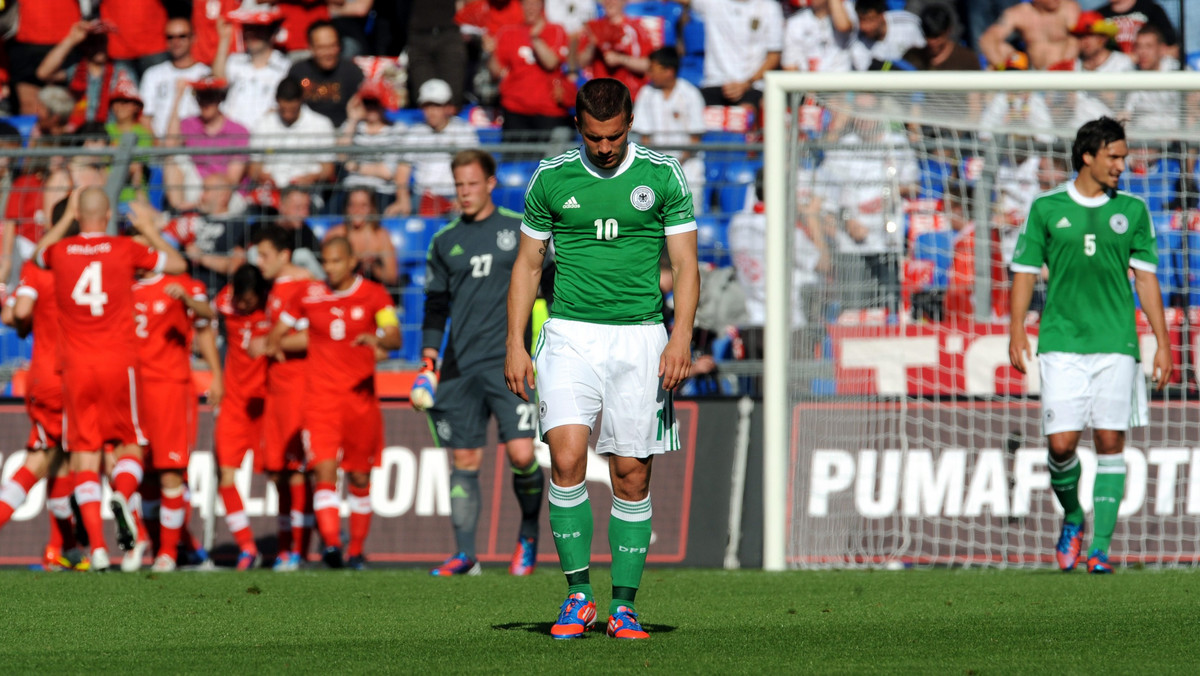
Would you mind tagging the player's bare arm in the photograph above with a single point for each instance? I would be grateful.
(60, 227)
(1018, 340)
(522, 292)
(145, 220)
(206, 345)
(675, 363)
(387, 333)
(1149, 293)
(200, 308)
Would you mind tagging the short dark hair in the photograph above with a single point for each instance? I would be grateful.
(1151, 29)
(865, 6)
(279, 237)
(937, 20)
(666, 57)
(249, 279)
(337, 240)
(603, 98)
(288, 190)
(322, 23)
(475, 156)
(1093, 136)
(289, 89)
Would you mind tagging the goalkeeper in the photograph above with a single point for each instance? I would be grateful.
(1089, 235)
(469, 265)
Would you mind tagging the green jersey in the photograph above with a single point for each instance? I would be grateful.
(609, 229)
(1089, 244)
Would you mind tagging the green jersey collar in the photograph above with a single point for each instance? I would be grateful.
(608, 173)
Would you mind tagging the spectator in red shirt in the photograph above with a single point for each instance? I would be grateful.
(204, 24)
(137, 39)
(93, 77)
(42, 24)
(616, 46)
(528, 61)
(298, 15)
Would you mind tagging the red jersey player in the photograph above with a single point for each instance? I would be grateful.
(283, 445)
(242, 307)
(166, 308)
(93, 283)
(32, 305)
(345, 325)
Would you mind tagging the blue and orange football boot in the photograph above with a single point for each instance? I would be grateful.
(1097, 563)
(248, 560)
(459, 564)
(574, 617)
(524, 558)
(1070, 546)
(624, 624)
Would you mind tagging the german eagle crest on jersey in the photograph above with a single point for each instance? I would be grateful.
(506, 240)
(642, 198)
(1119, 223)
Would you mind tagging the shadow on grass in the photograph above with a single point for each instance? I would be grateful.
(597, 629)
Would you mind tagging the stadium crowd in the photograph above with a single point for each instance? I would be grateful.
(308, 135)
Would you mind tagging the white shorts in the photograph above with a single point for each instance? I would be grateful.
(1101, 391)
(583, 368)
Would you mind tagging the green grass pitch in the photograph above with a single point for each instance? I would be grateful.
(700, 621)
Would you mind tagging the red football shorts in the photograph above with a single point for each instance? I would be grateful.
(45, 408)
(282, 434)
(350, 423)
(168, 414)
(239, 428)
(101, 406)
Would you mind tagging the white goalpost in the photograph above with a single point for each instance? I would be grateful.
(895, 432)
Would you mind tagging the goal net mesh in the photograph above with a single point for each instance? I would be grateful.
(912, 440)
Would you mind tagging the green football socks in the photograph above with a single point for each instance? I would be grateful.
(629, 541)
(571, 524)
(1064, 478)
(1108, 491)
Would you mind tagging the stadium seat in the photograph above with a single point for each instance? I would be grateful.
(13, 349)
(412, 303)
(510, 197)
(154, 187)
(411, 235)
(723, 137)
(1170, 271)
(712, 239)
(693, 36)
(1190, 254)
(660, 19)
(1193, 60)
(515, 174)
(322, 223)
(934, 176)
(737, 182)
(1159, 185)
(406, 116)
(24, 124)
(691, 68)
(938, 248)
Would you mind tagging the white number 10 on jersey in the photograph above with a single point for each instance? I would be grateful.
(606, 228)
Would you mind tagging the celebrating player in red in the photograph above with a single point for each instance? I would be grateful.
(284, 447)
(167, 307)
(93, 283)
(344, 326)
(239, 428)
(32, 304)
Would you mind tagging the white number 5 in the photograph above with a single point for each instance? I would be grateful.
(89, 289)
(1089, 244)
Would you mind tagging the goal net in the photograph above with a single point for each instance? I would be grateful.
(897, 433)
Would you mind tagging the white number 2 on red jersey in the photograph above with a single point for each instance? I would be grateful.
(89, 289)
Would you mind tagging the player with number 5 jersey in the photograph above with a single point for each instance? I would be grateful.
(611, 208)
(93, 276)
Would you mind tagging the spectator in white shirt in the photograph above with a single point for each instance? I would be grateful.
(254, 74)
(432, 178)
(818, 38)
(743, 39)
(1152, 110)
(670, 111)
(1094, 33)
(292, 125)
(367, 126)
(883, 35)
(159, 86)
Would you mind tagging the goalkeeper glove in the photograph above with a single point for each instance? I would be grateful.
(425, 386)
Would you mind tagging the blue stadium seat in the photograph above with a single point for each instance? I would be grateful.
(24, 124)
(693, 36)
(411, 235)
(691, 68)
(406, 116)
(510, 197)
(666, 14)
(154, 187)
(14, 349)
(321, 224)
(1170, 271)
(1159, 186)
(488, 136)
(515, 174)
(1191, 257)
(736, 181)
(712, 239)
(934, 176)
(727, 137)
(412, 302)
(937, 247)
(1193, 60)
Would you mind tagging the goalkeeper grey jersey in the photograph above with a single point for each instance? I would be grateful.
(473, 261)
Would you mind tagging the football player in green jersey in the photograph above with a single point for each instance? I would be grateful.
(1089, 235)
(611, 207)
